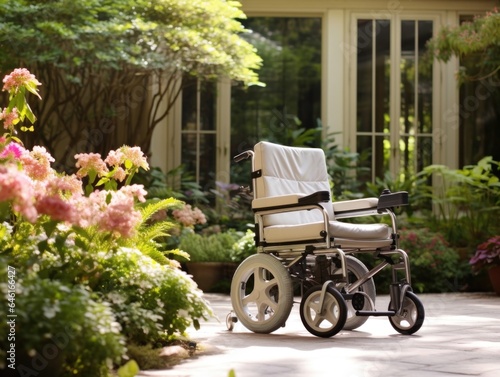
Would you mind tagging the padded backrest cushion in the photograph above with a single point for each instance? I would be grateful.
(291, 170)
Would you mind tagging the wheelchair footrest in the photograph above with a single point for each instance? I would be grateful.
(374, 313)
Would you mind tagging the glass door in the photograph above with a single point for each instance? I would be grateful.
(199, 132)
(394, 97)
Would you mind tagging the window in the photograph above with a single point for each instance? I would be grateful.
(290, 101)
(198, 131)
(479, 115)
(394, 97)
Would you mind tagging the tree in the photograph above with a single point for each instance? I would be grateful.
(113, 68)
(477, 43)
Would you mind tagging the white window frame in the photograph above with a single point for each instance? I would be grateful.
(440, 136)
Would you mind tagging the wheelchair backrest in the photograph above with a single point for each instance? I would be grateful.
(286, 170)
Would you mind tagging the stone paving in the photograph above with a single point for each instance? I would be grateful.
(460, 337)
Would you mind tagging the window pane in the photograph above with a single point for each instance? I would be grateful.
(365, 76)
(424, 152)
(424, 80)
(207, 105)
(407, 119)
(207, 161)
(291, 100)
(382, 75)
(373, 93)
(189, 152)
(189, 104)
(364, 144)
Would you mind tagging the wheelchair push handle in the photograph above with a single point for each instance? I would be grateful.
(243, 156)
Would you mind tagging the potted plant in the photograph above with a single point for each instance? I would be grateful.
(210, 256)
(487, 256)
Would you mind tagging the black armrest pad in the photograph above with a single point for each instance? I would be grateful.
(394, 199)
(317, 197)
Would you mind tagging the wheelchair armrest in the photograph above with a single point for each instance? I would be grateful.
(394, 199)
(290, 200)
(355, 205)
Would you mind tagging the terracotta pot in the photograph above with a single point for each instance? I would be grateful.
(206, 274)
(494, 274)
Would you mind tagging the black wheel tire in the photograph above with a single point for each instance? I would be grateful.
(412, 317)
(334, 312)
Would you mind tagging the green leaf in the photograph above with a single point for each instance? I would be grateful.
(43, 246)
(102, 181)
(92, 176)
(49, 227)
(32, 88)
(130, 369)
(88, 189)
(128, 164)
(29, 114)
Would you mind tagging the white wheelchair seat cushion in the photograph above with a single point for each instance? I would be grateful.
(345, 234)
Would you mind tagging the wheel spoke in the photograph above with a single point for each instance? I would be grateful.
(332, 310)
(262, 295)
(318, 320)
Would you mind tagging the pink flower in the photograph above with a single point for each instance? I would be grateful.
(135, 155)
(136, 191)
(56, 207)
(132, 154)
(9, 118)
(89, 209)
(188, 216)
(37, 163)
(66, 185)
(119, 174)
(90, 162)
(17, 188)
(115, 158)
(19, 77)
(12, 150)
(111, 211)
(119, 216)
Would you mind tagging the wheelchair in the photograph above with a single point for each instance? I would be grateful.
(305, 249)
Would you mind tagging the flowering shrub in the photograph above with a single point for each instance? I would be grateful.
(244, 247)
(90, 239)
(487, 254)
(435, 265)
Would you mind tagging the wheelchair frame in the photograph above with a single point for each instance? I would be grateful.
(337, 289)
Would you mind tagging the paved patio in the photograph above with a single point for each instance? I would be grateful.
(460, 337)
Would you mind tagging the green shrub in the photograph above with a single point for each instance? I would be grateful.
(215, 247)
(153, 302)
(435, 266)
(466, 201)
(244, 247)
(62, 322)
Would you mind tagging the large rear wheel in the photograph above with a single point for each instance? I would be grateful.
(262, 293)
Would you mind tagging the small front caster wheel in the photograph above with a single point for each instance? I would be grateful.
(231, 319)
(323, 319)
(411, 317)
